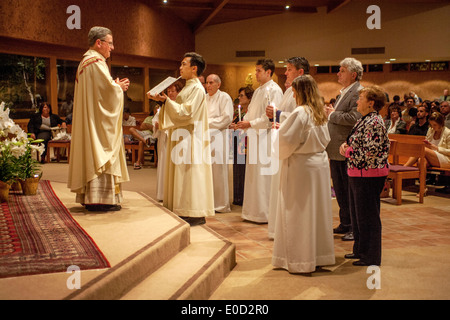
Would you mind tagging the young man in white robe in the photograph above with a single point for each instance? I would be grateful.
(295, 67)
(97, 165)
(220, 115)
(161, 136)
(188, 183)
(258, 173)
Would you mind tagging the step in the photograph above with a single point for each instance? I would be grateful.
(193, 274)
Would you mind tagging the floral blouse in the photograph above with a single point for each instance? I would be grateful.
(367, 155)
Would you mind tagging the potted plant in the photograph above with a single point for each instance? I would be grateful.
(29, 168)
(17, 159)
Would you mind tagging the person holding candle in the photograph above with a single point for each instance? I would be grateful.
(239, 143)
(255, 206)
(303, 237)
(295, 67)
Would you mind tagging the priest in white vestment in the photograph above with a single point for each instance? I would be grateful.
(255, 207)
(295, 67)
(97, 164)
(220, 115)
(188, 183)
(303, 229)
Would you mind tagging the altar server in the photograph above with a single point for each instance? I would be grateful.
(220, 115)
(188, 184)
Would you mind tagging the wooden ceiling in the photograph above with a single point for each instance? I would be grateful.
(201, 13)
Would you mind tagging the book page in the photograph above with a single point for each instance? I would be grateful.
(163, 85)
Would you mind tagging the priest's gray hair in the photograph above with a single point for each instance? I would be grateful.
(97, 33)
(353, 65)
(215, 78)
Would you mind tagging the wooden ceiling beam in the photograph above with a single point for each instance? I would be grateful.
(336, 5)
(217, 7)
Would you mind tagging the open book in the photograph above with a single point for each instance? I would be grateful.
(163, 85)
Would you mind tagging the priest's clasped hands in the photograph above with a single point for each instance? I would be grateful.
(123, 83)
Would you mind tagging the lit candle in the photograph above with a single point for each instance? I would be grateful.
(239, 107)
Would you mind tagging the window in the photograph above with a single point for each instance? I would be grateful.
(419, 66)
(22, 83)
(323, 69)
(375, 67)
(399, 67)
(67, 71)
(134, 96)
(439, 66)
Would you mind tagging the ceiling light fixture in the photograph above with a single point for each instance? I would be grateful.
(287, 7)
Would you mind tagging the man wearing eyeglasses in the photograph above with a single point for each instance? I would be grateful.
(97, 159)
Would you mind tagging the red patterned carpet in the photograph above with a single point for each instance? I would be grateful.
(38, 235)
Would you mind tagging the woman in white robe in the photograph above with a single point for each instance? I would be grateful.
(304, 232)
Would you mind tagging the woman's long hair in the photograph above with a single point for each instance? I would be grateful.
(307, 94)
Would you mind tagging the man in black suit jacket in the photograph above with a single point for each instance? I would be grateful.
(341, 120)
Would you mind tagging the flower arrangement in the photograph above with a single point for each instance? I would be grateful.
(17, 151)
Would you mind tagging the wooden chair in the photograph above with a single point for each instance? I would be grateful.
(57, 144)
(398, 172)
(133, 147)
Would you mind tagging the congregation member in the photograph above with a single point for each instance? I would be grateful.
(295, 67)
(97, 166)
(41, 124)
(255, 207)
(445, 96)
(239, 143)
(437, 149)
(144, 135)
(367, 151)
(303, 238)
(188, 183)
(407, 113)
(341, 120)
(420, 126)
(394, 123)
(220, 115)
(161, 142)
(128, 121)
(444, 108)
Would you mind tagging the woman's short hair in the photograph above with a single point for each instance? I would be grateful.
(248, 91)
(42, 105)
(394, 107)
(97, 33)
(438, 118)
(353, 65)
(375, 94)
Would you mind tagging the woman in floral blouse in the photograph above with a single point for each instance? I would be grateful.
(367, 151)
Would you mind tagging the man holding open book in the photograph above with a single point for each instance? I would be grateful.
(188, 183)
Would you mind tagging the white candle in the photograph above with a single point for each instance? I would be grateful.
(239, 107)
(268, 96)
(274, 116)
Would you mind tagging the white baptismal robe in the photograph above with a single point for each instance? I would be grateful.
(287, 106)
(188, 184)
(220, 115)
(303, 230)
(255, 206)
(161, 135)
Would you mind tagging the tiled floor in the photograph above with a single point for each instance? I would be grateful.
(411, 224)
